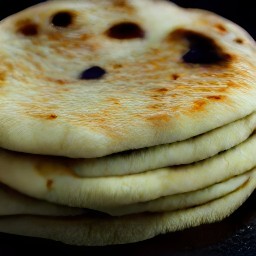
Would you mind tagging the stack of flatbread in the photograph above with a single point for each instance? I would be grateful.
(123, 119)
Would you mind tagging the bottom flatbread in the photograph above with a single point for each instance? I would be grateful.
(95, 229)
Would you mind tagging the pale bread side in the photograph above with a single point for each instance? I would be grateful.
(52, 180)
(14, 203)
(102, 230)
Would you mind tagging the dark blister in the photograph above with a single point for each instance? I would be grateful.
(94, 72)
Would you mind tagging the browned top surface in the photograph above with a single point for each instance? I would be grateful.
(149, 94)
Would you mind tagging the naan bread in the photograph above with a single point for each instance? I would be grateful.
(105, 230)
(150, 88)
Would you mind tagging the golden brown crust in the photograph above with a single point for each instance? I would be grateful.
(151, 94)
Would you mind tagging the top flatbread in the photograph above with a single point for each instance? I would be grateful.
(163, 73)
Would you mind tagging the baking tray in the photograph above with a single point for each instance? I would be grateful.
(234, 236)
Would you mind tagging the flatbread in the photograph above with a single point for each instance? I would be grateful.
(137, 109)
(148, 91)
(184, 200)
(50, 179)
(14, 203)
(106, 230)
(184, 152)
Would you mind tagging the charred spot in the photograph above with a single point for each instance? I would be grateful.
(120, 3)
(117, 66)
(52, 116)
(2, 76)
(61, 81)
(49, 183)
(92, 73)
(28, 29)
(84, 37)
(125, 30)
(175, 76)
(202, 49)
(62, 19)
(220, 27)
(239, 40)
(215, 97)
(162, 90)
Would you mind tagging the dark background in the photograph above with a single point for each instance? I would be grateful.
(239, 11)
(234, 236)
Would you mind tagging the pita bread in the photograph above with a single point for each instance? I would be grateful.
(50, 179)
(184, 200)
(185, 152)
(14, 203)
(82, 83)
(106, 230)
(149, 94)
